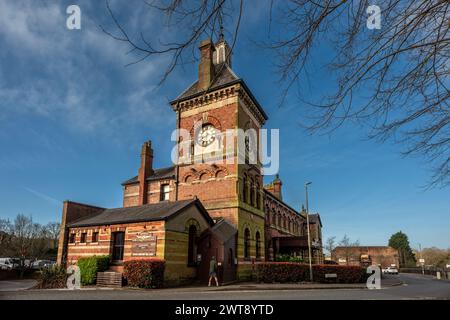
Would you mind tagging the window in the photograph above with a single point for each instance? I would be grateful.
(258, 199)
(274, 218)
(192, 246)
(94, 236)
(247, 244)
(83, 237)
(165, 192)
(252, 193)
(244, 190)
(258, 245)
(117, 246)
(72, 238)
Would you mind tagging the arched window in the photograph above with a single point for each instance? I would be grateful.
(274, 218)
(192, 247)
(258, 245)
(252, 193)
(244, 189)
(279, 220)
(247, 244)
(258, 197)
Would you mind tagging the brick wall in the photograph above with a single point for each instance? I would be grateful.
(72, 211)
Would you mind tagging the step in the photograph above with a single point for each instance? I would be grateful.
(109, 279)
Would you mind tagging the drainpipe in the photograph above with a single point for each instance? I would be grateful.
(177, 167)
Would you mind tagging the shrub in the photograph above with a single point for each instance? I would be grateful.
(90, 266)
(144, 273)
(297, 272)
(345, 274)
(52, 277)
(288, 258)
(282, 272)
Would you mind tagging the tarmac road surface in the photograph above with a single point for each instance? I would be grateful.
(415, 287)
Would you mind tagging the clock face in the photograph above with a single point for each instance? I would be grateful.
(206, 135)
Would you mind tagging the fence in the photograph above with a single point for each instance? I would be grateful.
(445, 273)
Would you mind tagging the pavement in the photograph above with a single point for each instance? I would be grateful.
(403, 286)
(387, 281)
(17, 285)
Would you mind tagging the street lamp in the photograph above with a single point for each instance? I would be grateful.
(309, 236)
(421, 261)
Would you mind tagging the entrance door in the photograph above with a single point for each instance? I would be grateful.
(117, 246)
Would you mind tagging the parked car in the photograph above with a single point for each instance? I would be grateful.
(6, 263)
(38, 264)
(390, 270)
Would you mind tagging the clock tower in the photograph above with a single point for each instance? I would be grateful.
(215, 114)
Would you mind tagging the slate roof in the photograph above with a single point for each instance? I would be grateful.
(315, 218)
(158, 174)
(224, 77)
(149, 212)
(224, 230)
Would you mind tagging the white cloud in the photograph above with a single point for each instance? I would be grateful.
(71, 75)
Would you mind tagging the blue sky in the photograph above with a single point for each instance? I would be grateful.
(73, 117)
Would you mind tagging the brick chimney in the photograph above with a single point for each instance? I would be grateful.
(145, 171)
(277, 187)
(206, 66)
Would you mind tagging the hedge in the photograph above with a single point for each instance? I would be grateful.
(90, 266)
(298, 272)
(144, 273)
(345, 274)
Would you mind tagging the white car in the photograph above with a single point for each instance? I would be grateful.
(38, 264)
(390, 270)
(6, 264)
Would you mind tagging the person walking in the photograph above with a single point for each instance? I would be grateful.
(213, 271)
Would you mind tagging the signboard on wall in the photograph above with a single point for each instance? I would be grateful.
(144, 245)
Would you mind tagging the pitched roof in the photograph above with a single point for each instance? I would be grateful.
(149, 212)
(158, 174)
(224, 77)
(224, 230)
(315, 218)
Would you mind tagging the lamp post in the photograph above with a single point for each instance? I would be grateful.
(421, 259)
(309, 236)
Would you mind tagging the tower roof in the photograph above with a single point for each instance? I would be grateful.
(224, 77)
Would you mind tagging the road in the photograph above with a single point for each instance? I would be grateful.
(414, 287)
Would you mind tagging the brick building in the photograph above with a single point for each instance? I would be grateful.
(383, 256)
(168, 213)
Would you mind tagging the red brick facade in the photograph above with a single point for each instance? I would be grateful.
(366, 255)
(226, 188)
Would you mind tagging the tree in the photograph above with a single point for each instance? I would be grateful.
(348, 249)
(5, 227)
(26, 240)
(330, 244)
(52, 229)
(393, 80)
(436, 257)
(400, 242)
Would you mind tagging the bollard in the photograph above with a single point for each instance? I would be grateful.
(438, 275)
